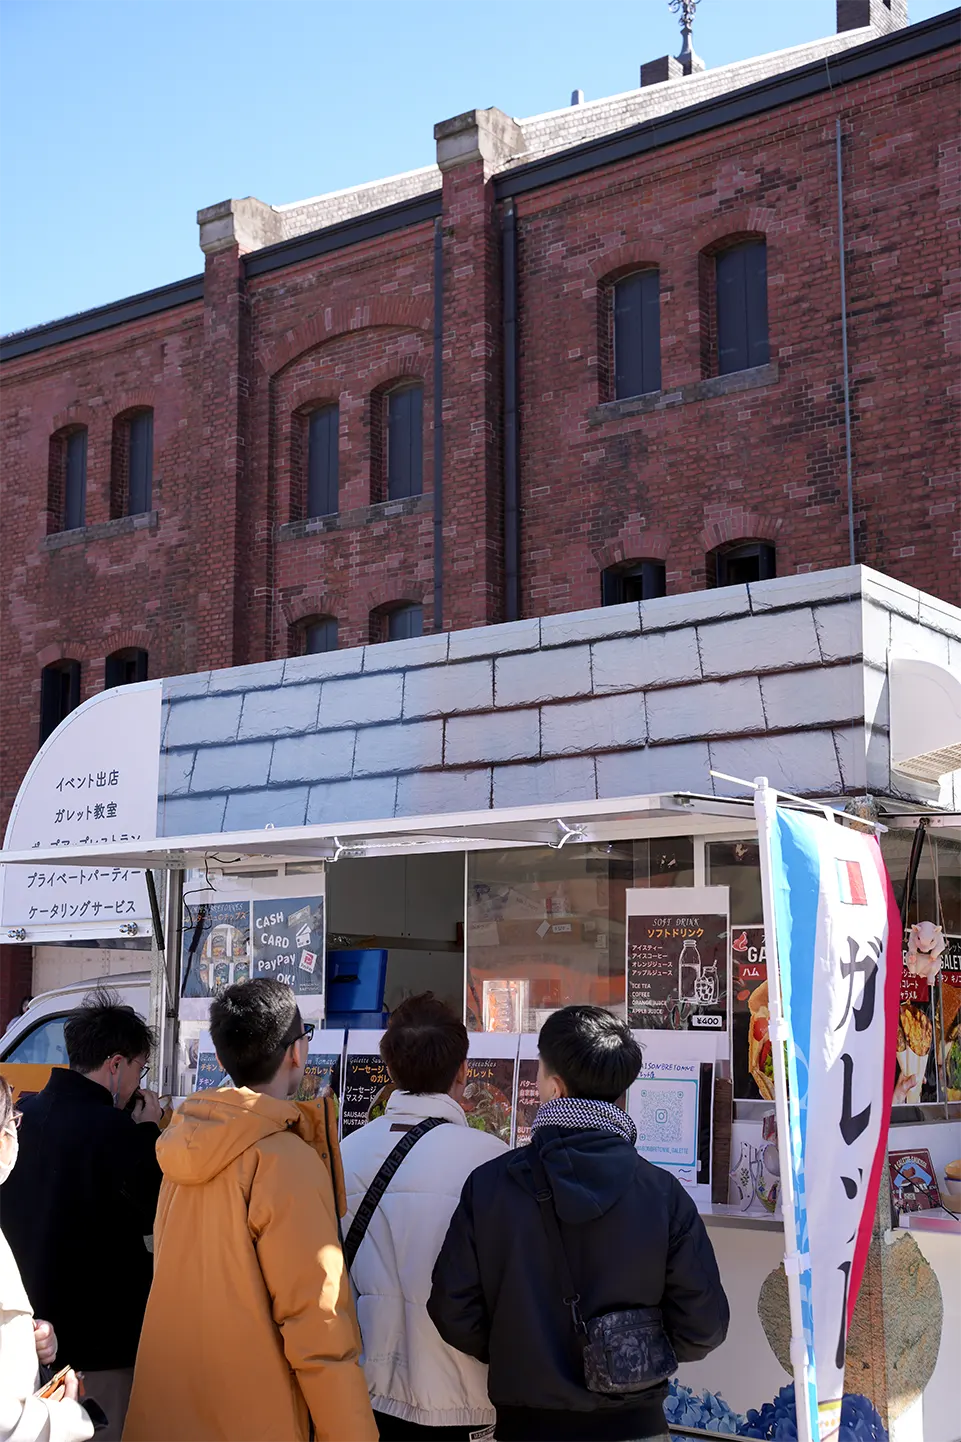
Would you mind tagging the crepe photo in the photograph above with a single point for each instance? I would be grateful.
(760, 1055)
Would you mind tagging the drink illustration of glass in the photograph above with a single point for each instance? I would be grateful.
(695, 981)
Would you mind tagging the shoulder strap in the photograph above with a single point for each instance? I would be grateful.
(377, 1188)
(545, 1200)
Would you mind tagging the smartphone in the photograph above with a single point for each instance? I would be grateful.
(55, 1389)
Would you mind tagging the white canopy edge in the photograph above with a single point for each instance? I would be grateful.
(553, 826)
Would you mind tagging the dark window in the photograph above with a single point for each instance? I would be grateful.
(742, 307)
(637, 335)
(636, 581)
(75, 481)
(139, 462)
(322, 472)
(320, 636)
(405, 443)
(123, 668)
(742, 565)
(59, 694)
(405, 623)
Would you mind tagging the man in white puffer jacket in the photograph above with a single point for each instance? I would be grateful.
(419, 1386)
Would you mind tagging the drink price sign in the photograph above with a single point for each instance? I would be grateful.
(678, 967)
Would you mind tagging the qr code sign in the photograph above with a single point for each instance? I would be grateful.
(661, 1116)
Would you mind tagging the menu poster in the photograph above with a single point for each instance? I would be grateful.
(489, 1095)
(288, 942)
(216, 946)
(210, 1073)
(677, 959)
(365, 1079)
(913, 1184)
(751, 1043)
(917, 1079)
(324, 1065)
(528, 1100)
(949, 1028)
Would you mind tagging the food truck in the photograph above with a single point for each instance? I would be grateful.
(520, 817)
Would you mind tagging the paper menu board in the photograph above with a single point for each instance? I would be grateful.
(527, 1101)
(949, 1019)
(365, 1078)
(288, 942)
(678, 960)
(210, 1073)
(324, 1065)
(915, 1044)
(750, 1041)
(491, 1071)
(672, 1105)
(216, 946)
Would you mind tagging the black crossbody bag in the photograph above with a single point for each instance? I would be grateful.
(624, 1352)
(377, 1188)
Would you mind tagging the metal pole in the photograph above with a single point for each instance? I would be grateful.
(844, 348)
(438, 425)
(765, 810)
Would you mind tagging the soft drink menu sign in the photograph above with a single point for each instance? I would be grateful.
(678, 964)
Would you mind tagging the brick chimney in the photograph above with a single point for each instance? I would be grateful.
(883, 15)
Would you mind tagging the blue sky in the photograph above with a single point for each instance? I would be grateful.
(119, 119)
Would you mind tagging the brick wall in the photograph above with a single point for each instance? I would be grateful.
(224, 568)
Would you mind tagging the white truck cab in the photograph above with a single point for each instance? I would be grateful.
(36, 1037)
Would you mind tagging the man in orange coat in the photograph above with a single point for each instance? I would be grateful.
(250, 1333)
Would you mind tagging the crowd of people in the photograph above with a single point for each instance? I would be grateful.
(419, 1280)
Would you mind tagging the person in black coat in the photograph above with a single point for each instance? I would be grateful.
(631, 1234)
(83, 1197)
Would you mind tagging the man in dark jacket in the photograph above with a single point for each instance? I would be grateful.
(82, 1198)
(631, 1234)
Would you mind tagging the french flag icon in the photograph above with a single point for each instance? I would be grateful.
(851, 882)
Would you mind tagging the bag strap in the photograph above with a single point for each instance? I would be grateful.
(545, 1200)
(377, 1188)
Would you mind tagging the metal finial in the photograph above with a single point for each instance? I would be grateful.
(687, 58)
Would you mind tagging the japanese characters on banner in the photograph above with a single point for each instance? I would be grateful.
(839, 959)
(367, 1084)
(92, 783)
(528, 1099)
(677, 960)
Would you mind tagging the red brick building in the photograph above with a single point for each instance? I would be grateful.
(590, 355)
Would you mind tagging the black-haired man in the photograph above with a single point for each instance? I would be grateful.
(83, 1196)
(250, 1330)
(419, 1387)
(631, 1234)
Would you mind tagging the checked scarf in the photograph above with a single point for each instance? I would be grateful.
(582, 1114)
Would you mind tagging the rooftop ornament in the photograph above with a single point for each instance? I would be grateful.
(687, 59)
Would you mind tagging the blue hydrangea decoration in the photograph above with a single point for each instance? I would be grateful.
(778, 1419)
(774, 1422)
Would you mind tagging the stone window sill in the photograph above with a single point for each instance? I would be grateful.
(361, 516)
(666, 400)
(104, 531)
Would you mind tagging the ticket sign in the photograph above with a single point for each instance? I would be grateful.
(677, 959)
(92, 783)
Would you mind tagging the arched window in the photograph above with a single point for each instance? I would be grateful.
(67, 479)
(323, 434)
(320, 634)
(59, 695)
(741, 564)
(405, 622)
(633, 581)
(405, 442)
(741, 295)
(637, 334)
(131, 464)
(124, 668)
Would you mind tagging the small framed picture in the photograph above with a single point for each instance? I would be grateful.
(914, 1187)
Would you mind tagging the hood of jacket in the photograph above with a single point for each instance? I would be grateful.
(213, 1128)
(588, 1171)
